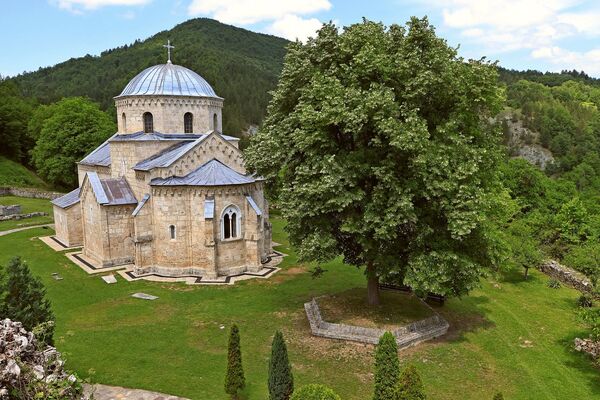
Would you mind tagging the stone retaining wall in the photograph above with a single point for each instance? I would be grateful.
(23, 216)
(406, 336)
(28, 192)
(567, 276)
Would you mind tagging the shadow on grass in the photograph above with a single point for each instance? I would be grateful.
(581, 362)
(464, 315)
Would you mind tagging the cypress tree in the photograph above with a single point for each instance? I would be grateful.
(22, 298)
(234, 380)
(387, 367)
(281, 380)
(410, 386)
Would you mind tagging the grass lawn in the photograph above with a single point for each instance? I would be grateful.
(27, 206)
(509, 335)
(14, 174)
(350, 307)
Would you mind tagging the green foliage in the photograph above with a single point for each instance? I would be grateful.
(14, 174)
(281, 380)
(378, 143)
(498, 396)
(585, 300)
(23, 298)
(387, 367)
(591, 317)
(553, 284)
(315, 392)
(242, 67)
(410, 386)
(573, 222)
(234, 379)
(15, 111)
(585, 258)
(74, 128)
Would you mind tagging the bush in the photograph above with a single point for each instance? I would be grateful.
(585, 300)
(22, 298)
(498, 396)
(553, 284)
(315, 392)
(234, 380)
(281, 381)
(410, 386)
(387, 367)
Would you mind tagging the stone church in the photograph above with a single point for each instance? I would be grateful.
(168, 193)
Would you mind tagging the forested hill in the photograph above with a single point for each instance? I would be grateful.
(242, 66)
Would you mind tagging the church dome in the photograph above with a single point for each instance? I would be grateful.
(168, 80)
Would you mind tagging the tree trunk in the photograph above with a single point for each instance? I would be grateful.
(372, 285)
(526, 273)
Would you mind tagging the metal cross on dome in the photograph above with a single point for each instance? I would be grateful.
(169, 47)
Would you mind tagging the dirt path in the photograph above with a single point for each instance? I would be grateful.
(2, 233)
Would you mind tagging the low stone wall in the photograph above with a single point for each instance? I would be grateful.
(10, 210)
(406, 336)
(23, 216)
(28, 192)
(567, 276)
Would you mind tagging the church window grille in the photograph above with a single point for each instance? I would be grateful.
(230, 226)
(188, 123)
(148, 122)
(172, 231)
(124, 122)
(215, 122)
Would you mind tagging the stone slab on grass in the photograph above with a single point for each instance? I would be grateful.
(110, 278)
(144, 296)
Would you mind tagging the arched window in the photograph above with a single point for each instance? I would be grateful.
(124, 122)
(172, 231)
(230, 226)
(148, 122)
(188, 122)
(215, 122)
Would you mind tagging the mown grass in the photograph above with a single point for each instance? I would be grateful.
(14, 174)
(27, 206)
(510, 335)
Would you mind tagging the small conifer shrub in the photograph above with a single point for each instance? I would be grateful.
(387, 367)
(281, 380)
(234, 380)
(315, 392)
(410, 386)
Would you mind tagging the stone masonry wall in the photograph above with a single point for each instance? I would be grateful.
(29, 193)
(167, 113)
(567, 275)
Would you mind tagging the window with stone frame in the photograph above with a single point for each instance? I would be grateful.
(172, 232)
(148, 122)
(230, 223)
(188, 122)
(124, 122)
(215, 122)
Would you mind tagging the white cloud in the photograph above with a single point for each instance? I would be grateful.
(588, 61)
(245, 12)
(293, 27)
(78, 5)
(287, 18)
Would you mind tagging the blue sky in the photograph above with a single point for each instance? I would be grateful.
(541, 34)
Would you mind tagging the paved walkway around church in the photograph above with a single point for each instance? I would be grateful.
(105, 392)
(23, 229)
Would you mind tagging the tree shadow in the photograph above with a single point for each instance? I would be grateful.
(582, 362)
(464, 315)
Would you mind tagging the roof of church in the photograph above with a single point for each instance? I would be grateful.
(100, 156)
(168, 80)
(68, 199)
(212, 173)
(111, 191)
(166, 157)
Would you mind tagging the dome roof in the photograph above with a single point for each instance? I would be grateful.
(168, 80)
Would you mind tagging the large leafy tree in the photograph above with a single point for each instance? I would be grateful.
(73, 128)
(15, 112)
(378, 142)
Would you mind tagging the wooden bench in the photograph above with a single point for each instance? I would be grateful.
(433, 297)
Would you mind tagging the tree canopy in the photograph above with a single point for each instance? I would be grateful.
(378, 142)
(73, 128)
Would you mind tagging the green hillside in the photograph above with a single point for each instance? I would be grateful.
(14, 174)
(242, 67)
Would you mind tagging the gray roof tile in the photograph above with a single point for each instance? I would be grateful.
(68, 199)
(100, 156)
(212, 173)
